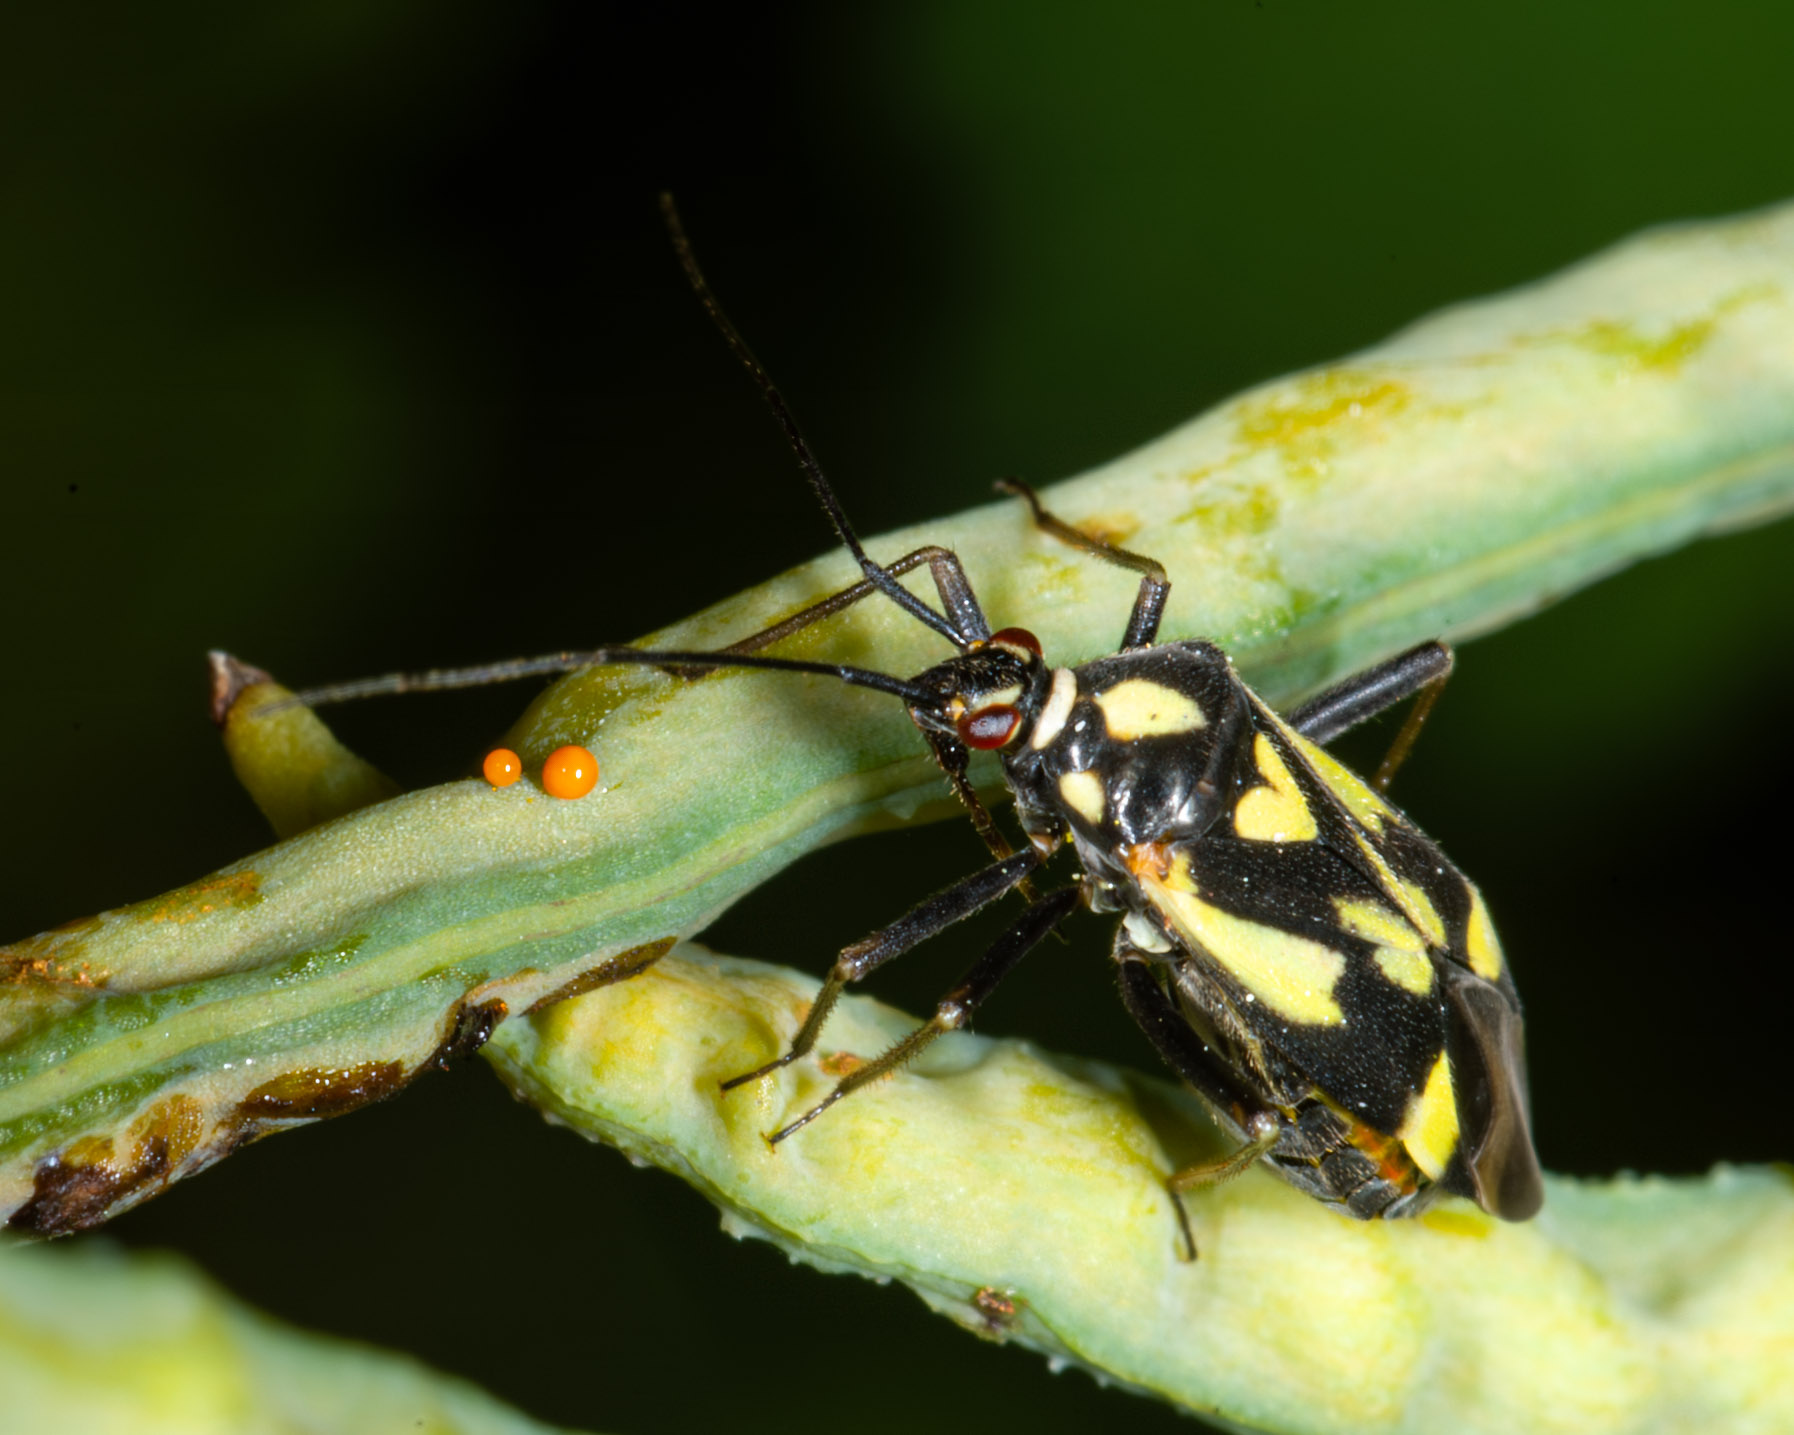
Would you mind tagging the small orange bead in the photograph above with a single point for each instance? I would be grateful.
(502, 767)
(569, 772)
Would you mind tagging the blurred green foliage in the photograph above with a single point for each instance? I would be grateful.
(344, 337)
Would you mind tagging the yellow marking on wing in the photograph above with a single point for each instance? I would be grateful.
(1386, 878)
(1142, 708)
(1359, 797)
(1481, 944)
(1376, 923)
(1415, 905)
(1083, 794)
(1401, 951)
(1407, 968)
(1430, 1130)
(1419, 909)
(1372, 814)
(1289, 975)
(1276, 813)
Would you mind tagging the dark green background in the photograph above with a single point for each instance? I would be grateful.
(344, 336)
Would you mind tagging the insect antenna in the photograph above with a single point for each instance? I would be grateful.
(442, 679)
(884, 581)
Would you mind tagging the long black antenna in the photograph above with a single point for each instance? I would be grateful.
(819, 484)
(438, 679)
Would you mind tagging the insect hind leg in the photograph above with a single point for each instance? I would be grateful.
(1158, 1016)
(1421, 672)
(928, 918)
(955, 1009)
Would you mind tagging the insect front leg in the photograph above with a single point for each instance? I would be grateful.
(866, 956)
(1421, 670)
(1189, 1056)
(950, 582)
(1155, 586)
(956, 1008)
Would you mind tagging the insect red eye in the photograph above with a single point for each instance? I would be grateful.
(1016, 638)
(988, 727)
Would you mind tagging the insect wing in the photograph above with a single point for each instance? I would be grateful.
(1489, 1068)
(1361, 960)
(1484, 1064)
(1259, 920)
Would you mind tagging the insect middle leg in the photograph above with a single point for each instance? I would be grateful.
(1421, 670)
(921, 922)
(1158, 1016)
(955, 1009)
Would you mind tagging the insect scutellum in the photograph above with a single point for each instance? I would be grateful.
(1293, 946)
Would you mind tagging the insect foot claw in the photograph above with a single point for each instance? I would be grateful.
(1186, 1245)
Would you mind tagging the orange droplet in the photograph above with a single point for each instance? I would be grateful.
(569, 772)
(502, 767)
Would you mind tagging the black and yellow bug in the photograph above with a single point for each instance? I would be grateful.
(1297, 950)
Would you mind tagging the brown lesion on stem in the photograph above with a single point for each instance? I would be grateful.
(470, 1026)
(52, 958)
(613, 969)
(93, 1179)
(230, 676)
(315, 1093)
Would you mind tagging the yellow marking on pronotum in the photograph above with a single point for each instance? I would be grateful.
(1141, 708)
(1275, 813)
(1290, 976)
(1401, 952)
(1481, 944)
(1430, 1131)
(1083, 793)
(1346, 785)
